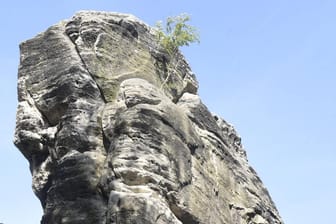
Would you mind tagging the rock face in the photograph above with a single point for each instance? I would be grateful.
(109, 141)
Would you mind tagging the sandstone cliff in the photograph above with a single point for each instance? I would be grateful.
(107, 142)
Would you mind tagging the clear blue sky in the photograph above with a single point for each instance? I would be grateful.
(267, 67)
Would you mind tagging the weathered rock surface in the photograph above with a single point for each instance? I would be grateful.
(109, 142)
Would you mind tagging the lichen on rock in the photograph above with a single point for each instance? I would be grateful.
(107, 144)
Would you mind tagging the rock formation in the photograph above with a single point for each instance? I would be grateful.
(109, 141)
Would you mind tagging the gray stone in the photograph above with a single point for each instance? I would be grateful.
(110, 141)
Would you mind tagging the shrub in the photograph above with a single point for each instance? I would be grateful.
(176, 33)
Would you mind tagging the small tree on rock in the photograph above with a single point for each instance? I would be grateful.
(176, 33)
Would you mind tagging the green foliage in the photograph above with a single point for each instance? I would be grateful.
(176, 33)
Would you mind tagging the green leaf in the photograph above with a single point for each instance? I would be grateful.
(176, 33)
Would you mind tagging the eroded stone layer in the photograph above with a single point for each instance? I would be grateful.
(112, 138)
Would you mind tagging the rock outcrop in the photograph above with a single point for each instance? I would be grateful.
(109, 141)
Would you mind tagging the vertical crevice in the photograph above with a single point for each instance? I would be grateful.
(92, 76)
(72, 32)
